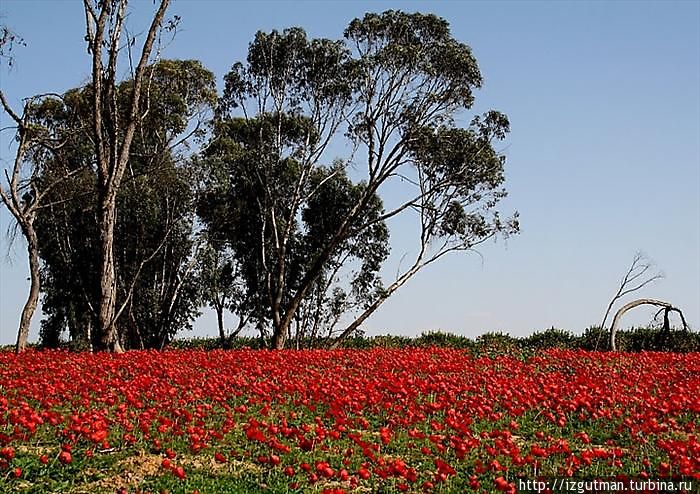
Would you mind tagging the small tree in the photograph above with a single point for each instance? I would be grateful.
(666, 307)
(639, 275)
(220, 286)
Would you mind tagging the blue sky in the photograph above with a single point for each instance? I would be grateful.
(603, 156)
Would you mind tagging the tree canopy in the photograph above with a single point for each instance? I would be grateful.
(279, 213)
(391, 91)
(154, 243)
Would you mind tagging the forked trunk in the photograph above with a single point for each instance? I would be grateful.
(280, 337)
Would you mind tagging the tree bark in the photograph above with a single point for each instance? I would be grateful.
(279, 338)
(33, 297)
(109, 337)
(111, 146)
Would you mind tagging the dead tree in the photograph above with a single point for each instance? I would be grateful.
(633, 280)
(666, 307)
(636, 278)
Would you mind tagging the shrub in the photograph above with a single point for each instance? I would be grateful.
(442, 339)
(493, 344)
(595, 338)
(549, 338)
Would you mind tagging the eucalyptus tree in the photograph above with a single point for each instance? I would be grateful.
(230, 208)
(113, 132)
(29, 183)
(390, 94)
(153, 245)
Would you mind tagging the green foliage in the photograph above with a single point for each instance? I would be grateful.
(549, 338)
(309, 241)
(492, 344)
(247, 205)
(442, 339)
(597, 338)
(421, 42)
(656, 339)
(497, 340)
(153, 241)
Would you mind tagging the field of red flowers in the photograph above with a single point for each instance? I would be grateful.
(383, 420)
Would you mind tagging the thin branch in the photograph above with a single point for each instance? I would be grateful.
(9, 110)
(639, 266)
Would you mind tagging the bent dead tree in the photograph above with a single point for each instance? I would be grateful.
(666, 307)
(636, 278)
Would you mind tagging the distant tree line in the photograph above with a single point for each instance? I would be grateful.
(143, 200)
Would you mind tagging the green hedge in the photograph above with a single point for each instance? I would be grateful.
(632, 340)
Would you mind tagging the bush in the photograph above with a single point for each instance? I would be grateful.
(442, 339)
(594, 338)
(640, 340)
(549, 338)
(390, 341)
(656, 339)
(493, 344)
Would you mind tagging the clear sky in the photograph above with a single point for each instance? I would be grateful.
(603, 156)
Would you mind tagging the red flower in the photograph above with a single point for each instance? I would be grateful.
(7, 453)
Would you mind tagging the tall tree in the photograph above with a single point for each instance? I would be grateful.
(25, 193)
(390, 93)
(153, 245)
(113, 133)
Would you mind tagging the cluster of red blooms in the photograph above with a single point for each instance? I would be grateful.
(408, 419)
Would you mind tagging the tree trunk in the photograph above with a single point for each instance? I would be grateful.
(632, 305)
(383, 298)
(220, 321)
(112, 141)
(359, 320)
(280, 337)
(109, 337)
(282, 329)
(33, 298)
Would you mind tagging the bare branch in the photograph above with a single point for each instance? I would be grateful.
(638, 268)
(9, 110)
